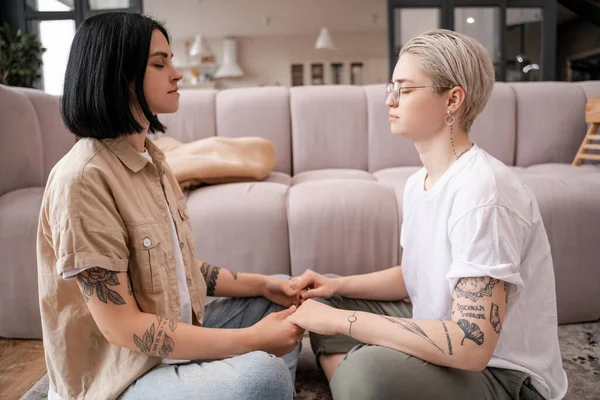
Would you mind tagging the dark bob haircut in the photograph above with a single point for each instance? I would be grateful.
(105, 72)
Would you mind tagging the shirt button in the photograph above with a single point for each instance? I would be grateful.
(147, 242)
(181, 245)
(189, 281)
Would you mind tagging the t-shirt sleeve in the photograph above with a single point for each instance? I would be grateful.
(488, 241)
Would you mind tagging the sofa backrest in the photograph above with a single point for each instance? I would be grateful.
(32, 137)
(317, 127)
(550, 122)
(312, 127)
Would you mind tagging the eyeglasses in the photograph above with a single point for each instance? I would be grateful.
(396, 90)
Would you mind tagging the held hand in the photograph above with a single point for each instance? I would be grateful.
(319, 318)
(278, 290)
(312, 284)
(276, 335)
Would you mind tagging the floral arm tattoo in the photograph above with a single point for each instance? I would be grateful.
(154, 341)
(98, 280)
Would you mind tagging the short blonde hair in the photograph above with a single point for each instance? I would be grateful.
(453, 59)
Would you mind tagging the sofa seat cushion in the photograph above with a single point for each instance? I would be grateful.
(331, 174)
(242, 226)
(342, 225)
(558, 170)
(569, 201)
(279, 177)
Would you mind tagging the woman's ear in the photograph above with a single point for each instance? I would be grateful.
(456, 98)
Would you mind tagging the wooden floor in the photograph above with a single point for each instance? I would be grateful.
(21, 366)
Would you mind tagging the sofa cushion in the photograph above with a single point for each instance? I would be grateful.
(550, 122)
(590, 88)
(57, 140)
(568, 201)
(557, 169)
(20, 141)
(386, 150)
(20, 310)
(328, 174)
(262, 111)
(342, 226)
(241, 226)
(279, 177)
(329, 127)
(494, 130)
(195, 118)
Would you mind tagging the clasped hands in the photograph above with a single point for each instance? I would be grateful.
(312, 315)
(280, 332)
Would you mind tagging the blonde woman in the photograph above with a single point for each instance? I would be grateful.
(476, 266)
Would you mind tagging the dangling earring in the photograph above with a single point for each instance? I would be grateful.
(449, 120)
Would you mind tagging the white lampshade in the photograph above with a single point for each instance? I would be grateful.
(199, 47)
(324, 40)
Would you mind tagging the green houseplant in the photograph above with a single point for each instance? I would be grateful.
(20, 57)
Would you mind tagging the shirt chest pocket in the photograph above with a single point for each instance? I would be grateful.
(147, 259)
(184, 219)
(182, 210)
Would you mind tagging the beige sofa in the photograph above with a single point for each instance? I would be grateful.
(334, 202)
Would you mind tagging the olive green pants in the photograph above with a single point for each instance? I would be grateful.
(375, 372)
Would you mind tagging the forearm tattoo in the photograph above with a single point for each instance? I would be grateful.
(235, 275)
(99, 279)
(471, 331)
(495, 318)
(211, 274)
(155, 341)
(450, 352)
(413, 328)
(475, 288)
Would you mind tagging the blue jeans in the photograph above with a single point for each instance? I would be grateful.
(252, 376)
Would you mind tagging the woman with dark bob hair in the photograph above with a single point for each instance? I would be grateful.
(123, 297)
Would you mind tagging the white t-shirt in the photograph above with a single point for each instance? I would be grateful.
(184, 293)
(478, 220)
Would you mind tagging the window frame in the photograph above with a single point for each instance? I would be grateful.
(548, 42)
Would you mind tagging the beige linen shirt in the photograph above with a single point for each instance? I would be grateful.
(104, 206)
